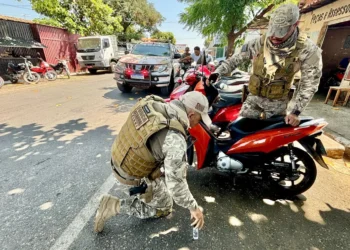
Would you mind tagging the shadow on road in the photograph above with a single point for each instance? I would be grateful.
(47, 176)
(245, 217)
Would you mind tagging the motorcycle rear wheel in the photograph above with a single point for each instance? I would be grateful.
(299, 182)
(33, 78)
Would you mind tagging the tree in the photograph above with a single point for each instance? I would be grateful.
(229, 18)
(168, 36)
(207, 42)
(140, 15)
(84, 17)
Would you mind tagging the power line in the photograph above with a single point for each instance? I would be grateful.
(15, 6)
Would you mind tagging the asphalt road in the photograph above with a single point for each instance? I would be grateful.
(55, 141)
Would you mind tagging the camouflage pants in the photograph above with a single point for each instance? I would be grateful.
(257, 107)
(160, 202)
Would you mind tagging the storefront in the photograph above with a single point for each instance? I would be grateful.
(327, 23)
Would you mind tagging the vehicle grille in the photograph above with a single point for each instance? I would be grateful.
(88, 57)
(138, 67)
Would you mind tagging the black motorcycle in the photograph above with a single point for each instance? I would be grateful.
(61, 66)
(22, 70)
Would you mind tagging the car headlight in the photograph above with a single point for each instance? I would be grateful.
(160, 68)
(120, 66)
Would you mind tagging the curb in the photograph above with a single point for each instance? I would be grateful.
(340, 139)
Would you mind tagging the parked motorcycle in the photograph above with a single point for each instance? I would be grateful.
(45, 70)
(263, 149)
(22, 70)
(61, 66)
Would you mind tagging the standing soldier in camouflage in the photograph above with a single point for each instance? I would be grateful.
(149, 154)
(277, 57)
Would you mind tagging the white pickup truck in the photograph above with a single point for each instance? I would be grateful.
(98, 53)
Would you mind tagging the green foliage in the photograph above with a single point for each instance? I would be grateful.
(207, 42)
(48, 21)
(85, 17)
(126, 18)
(226, 18)
(167, 36)
(135, 13)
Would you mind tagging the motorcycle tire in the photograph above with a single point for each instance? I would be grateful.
(309, 174)
(59, 71)
(13, 80)
(34, 78)
(50, 75)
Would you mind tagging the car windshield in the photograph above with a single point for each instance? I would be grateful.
(151, 50)
(89, 45)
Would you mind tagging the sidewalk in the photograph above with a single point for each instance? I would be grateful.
(338, 119)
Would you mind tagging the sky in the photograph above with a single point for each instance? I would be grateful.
(170, 9)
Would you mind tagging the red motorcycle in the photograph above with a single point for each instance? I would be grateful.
(264, 149)
(45, 70)
(225, 110)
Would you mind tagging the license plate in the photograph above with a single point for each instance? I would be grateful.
(89, 67)
(138, 77)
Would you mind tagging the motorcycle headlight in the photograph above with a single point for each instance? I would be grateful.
(160, 68)
(120, 66)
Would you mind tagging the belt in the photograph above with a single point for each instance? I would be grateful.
(119, 175)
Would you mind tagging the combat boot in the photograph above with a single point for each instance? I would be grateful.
(109, 207)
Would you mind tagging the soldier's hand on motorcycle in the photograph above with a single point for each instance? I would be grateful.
(198, 217)
(292, 120)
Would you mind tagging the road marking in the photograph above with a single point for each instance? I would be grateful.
(79, 222)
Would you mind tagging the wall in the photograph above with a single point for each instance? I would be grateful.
(315, 22)
(60, 44)
(333, 51)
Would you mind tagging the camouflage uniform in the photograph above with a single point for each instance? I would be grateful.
(170, 147)
(311, 71)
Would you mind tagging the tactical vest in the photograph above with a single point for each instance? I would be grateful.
(129, 150)
(278, 87)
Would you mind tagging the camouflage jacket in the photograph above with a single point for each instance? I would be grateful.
(311, 69)
(169, 149)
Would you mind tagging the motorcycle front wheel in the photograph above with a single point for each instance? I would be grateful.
(50, 75)
(33, 78)
(283, 180)
(68, 73)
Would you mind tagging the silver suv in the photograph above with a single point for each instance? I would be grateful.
(150, 64)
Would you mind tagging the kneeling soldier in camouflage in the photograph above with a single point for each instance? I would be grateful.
(150, 155)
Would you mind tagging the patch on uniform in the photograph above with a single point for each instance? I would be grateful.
(146, 109)
(199, 107)
(139, 117)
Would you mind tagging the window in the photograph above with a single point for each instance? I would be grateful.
(106, 43)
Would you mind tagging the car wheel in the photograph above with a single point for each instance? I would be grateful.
(165, 91)
(92, 71)
(112, 66)
(124, 88)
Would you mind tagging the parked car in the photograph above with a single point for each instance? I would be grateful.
(149, 64)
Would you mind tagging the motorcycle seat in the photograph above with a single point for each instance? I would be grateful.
(226, 89)
(227, 99)
(246, 126)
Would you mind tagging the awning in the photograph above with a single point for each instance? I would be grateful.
(20, 43)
